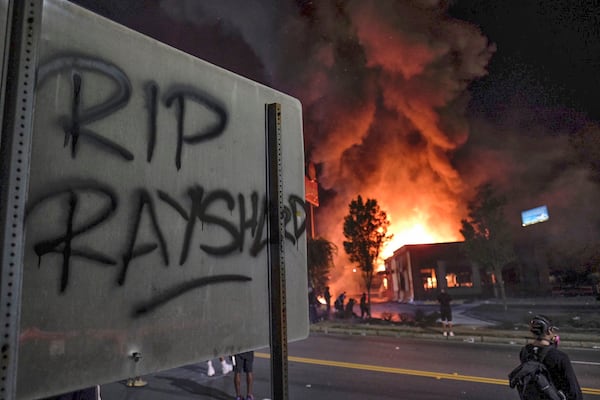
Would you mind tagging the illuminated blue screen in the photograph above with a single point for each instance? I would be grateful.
(535, 215)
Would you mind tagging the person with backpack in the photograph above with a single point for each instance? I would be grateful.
(545, 372)
(339, 304)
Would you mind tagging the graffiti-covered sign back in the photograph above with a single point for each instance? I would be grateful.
(146, 214)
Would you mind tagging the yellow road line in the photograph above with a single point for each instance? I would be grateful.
(403, 371)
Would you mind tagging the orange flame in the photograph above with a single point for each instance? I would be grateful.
(391, 133)
(417, 233)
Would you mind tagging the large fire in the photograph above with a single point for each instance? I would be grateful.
(383, 87)
(415, 234)
(384, 120)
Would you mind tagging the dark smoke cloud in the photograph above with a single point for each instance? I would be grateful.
(385, 90)
(383, 86)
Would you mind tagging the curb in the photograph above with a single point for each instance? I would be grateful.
(463, 334)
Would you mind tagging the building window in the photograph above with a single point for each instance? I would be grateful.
(459, 276)
(428, 278)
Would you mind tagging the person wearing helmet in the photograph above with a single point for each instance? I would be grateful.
(556, 361)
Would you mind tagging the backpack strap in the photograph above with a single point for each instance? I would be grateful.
(538, 353)
(543, 353)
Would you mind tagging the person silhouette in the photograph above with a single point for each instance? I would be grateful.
(445, 312)
(327, 296)
(364, 307)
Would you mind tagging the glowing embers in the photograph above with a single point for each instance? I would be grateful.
(459, 276)
(428, 278)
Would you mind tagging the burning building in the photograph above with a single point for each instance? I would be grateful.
(418, 272)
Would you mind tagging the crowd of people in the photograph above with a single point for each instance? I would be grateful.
(343, 307)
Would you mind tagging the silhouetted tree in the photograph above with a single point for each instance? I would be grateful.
(365, 229)
(488, 239)
(320, 254)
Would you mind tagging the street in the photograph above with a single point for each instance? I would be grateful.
(356, 367)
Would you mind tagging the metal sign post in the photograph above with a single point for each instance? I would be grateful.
(18, 82)
(278, 337)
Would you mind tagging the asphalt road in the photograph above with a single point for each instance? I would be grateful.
(325, 367)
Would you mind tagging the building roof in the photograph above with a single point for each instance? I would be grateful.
(440, 251)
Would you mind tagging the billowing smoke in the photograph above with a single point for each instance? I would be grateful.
(386, 112)
(384, 87)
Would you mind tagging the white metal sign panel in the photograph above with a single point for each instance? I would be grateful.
(145, 227)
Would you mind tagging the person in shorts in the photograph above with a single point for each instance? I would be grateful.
(446, 312)
(243, 362)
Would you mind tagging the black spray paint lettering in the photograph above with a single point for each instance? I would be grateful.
(144, 203)
(200, 202)
(185, 287)
(195, 194)
(74, 125)
(297, 207)
(64, 244)
(289, 214)
(178, 95)
(151, 96)
(199, 209)
(251, 222)
(206, 217)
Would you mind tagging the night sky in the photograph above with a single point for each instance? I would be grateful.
(415, 103)
(548, 52)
